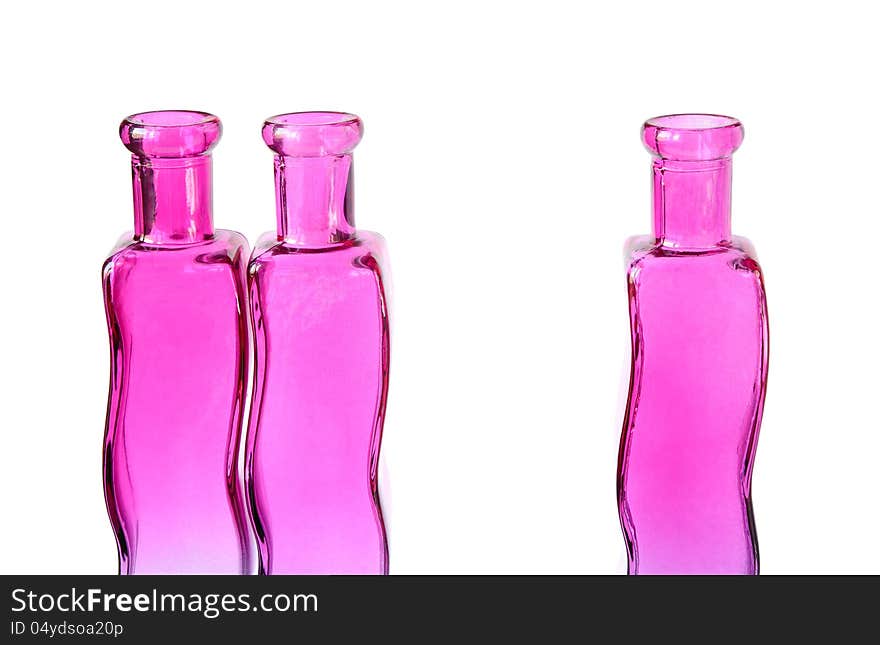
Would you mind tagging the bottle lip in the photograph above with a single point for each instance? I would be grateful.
(170, 133)
(692, 136)
(317, 118)
(313, 133)
(693, 121)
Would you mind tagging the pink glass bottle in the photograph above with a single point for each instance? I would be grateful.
(699, 363)
(320, 313)
(174, 292)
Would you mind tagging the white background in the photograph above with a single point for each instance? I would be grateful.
(502, 162)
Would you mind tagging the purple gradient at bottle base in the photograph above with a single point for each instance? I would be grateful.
(319, 304)
(699, 363)
(174, 293)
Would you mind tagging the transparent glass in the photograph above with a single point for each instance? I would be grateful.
(174, 292)
(318, 290)
(699, 363)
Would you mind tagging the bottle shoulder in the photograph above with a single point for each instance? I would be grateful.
(225, 247)
(644, 256)
(642, 249)
(270, 251)
(222, 239)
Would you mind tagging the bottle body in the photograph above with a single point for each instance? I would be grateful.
(175, 296)
(698, 322)
(319, 305)
(699, 367)
(179, 351)
(318, 405)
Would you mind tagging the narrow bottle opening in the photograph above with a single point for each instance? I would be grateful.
(692, 177)
(170, 133)
(313, 169)
(171, 174)
(692, 137)
(312, 118)
(692, 121)
(312, 134)
(170, 118)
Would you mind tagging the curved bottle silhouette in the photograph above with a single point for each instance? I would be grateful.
(699, 363)
(174, 292)
(320, 317)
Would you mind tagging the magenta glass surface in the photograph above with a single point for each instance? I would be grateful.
(320, 314)
(699, 363)
(174, 291)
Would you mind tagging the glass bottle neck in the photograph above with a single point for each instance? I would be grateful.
(692, 203)
(314, 199)
(172, 199)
